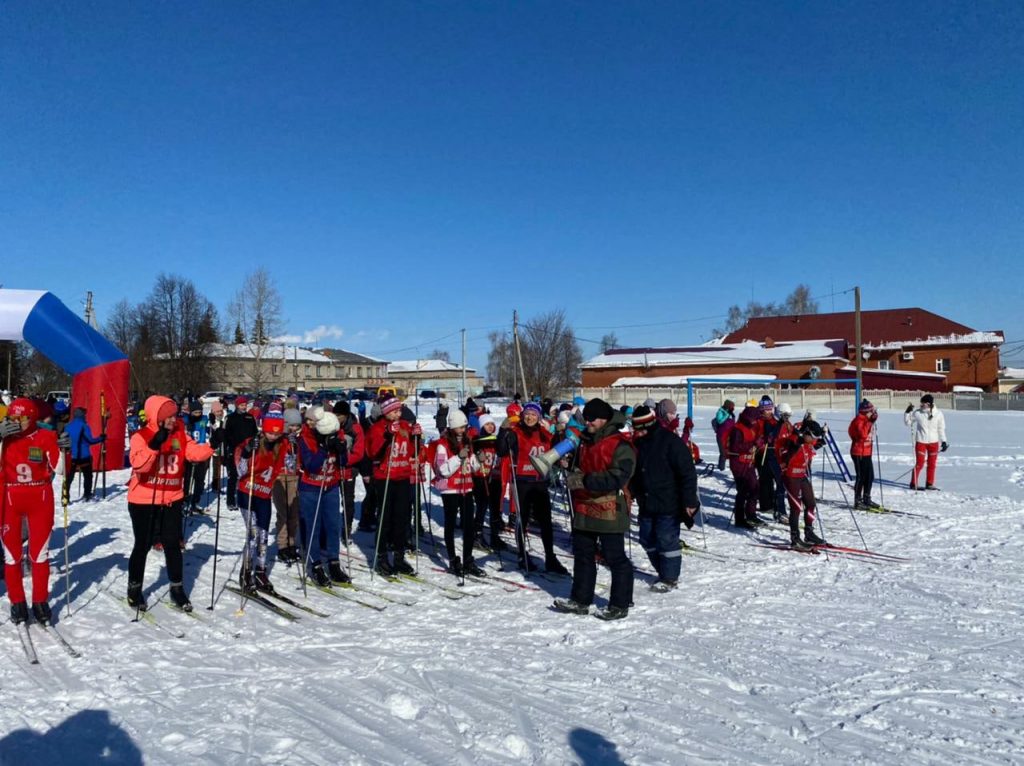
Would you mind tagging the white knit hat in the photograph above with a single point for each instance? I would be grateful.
(457, 419)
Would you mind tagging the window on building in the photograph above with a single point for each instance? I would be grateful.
(359, 372)
(319, 370)
(885, 364)
(309, 370)
(943, 365)
(273, 371)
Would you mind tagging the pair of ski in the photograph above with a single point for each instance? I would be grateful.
(492, 579)
(357, 593)
(446, 590)
(857, 553)
(25, 636)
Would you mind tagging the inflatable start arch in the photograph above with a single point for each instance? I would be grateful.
(96, 365)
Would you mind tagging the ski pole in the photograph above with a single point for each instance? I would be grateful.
(65, 499)
(416, 515)
(104, 416)
(247, 549)
(344, 527)
(216, 550)
(821, 524)
(850, 508)
(878, 456)
(521, 538)
(310, 532)
(380, 518)
(700, 510)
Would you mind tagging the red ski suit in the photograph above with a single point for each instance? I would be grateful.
(26, 473)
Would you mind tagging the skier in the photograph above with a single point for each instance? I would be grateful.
(722, 425)
(389, 443)
(368, 508)
(259, 462)
(198, 426)
(239, 426)
(355, 443)
(929, 431)
(285, 495)
(519, 441)
(156, 491)
(665, 487)
(453, 465)
(772, 496)
(797, 476)
(322, 455)
(30, 459)
(862, 433)
(743, 442)
(81, 439)
(603, 465)
(487, 487)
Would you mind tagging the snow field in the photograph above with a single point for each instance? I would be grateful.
(760, 657)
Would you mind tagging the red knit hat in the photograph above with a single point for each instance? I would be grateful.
(390, 404)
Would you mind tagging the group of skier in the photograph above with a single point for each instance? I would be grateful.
(304, 463)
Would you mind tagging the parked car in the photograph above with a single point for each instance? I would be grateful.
(362, 394)
(60, 396)
(494, 394)
(213, 396)
(427, 393)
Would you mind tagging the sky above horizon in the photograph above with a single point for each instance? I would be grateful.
(404, 170)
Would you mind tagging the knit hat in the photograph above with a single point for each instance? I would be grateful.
(239, 401)
(729, 404)
(275, 407)
(314, 413)
(328, 424)
(579, 401)
(513, 410)
(866, 406)
(390, 404)
(597, 409)
(533, 407)
(457, 419)
(643, 418)
(784, 409)
(666, 409)
(216, 408)
(928, 399)
(273, 423)
(342, 407)
(766, 403)
(812, 427)
(292, 417)
(484, 420)
(650, 403)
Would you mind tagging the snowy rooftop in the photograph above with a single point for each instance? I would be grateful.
(732, 353)
(667, 381)
(903, 373)
(425, 365)
(1013, 373)
(972, 338)
(271, 351)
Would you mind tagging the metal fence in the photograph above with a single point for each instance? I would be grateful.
(800, 398)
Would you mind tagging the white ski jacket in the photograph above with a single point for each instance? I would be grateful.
(929, 428)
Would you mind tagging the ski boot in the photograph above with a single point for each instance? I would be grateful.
(568, 606)
(472, 568)
(664, 586)
(403, 567)
(553, 566)
(180, 598)
(320, 578)
(135, 598)
(812, 538)
(41, 611)
(261, 581)
(337, 574)
(19, 613)
(383, 568)
(931, 488)
(798, 544)
(497, 544)
(612, 613)
(288, 555)
(870, 504)
(455, 566)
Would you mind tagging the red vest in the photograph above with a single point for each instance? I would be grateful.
(169, 474)
(535, 442)
(392, 458)
(800, 463)
(460, 482)
(744, 444)
(329, 474)
(594, 458)
(265, 465)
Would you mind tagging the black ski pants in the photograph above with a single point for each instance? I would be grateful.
(864, 470)
(584, 572)
(536, 508)
(395, 515)
(150, 524)
(458, 507)
(85, 466)
(487, 496)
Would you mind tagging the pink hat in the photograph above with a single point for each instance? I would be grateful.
(390, 404)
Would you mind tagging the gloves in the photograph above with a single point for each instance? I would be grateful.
(687, 516)
(247, 451)
(574, 480)
(335, 445)
(242, 467)
(417, 429)
(100, 439)
(11, 427)
(64, 441)
(395, 427)
(944, 447)
(158, 439)
(463, 453)
(688, 424)
(909, 409)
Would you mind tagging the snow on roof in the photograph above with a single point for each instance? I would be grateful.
(270, 351)
(425, 365)
(668, 381)
(1012, 373)
(903, 373)
(953, 339)
(732, 353)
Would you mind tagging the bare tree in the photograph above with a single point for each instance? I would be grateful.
(444, 356)
(258, 315)
(36, 373)
(177, 317)
(501, 364)
(799, 301)
(551, 355)
(608, 342)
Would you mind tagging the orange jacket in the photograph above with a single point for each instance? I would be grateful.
(158, 476)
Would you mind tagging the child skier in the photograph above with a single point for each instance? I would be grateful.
(797, 476)
(453, 466)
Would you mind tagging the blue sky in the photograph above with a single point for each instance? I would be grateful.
(408, 169)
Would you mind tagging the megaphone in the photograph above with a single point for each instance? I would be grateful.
(543, 463)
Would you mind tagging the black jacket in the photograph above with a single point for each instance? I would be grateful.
(238, 426)
(665, 481)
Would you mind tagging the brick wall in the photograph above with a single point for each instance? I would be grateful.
(598, 378)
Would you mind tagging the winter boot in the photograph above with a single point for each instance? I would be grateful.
(180, 598)
(931, 487)
(135, 597)
(320, 578)
(472, 568)
(497, 544)
(812, 538)
(455, 566)
(261, 581)
(337, 574)
(664, 586)
(383, 568)
(19, 613)
(41, 611)
(612, 613)
(403, 567)
(569, 606)
(553, 566)
(870, 504)
(288, 555)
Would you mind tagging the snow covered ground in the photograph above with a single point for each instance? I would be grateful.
(764, 657)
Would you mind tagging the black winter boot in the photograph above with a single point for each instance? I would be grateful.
(135, 597)
(455, 566)
(472, 568)
(553, 566)
(41, 611)
(320, 578)
(812, 538)
(337, 574)
(261, 581)
(19, 613)
(180, 598)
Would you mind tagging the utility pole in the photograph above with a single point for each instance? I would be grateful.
(463, 364)
(90, 314)
(519, 353)
(857, 340)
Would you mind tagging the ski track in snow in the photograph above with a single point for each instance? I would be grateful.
(768, 657)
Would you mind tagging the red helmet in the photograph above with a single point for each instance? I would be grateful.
(23, 407)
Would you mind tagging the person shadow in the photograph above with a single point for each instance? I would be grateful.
(86, 737)
(593, 749)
